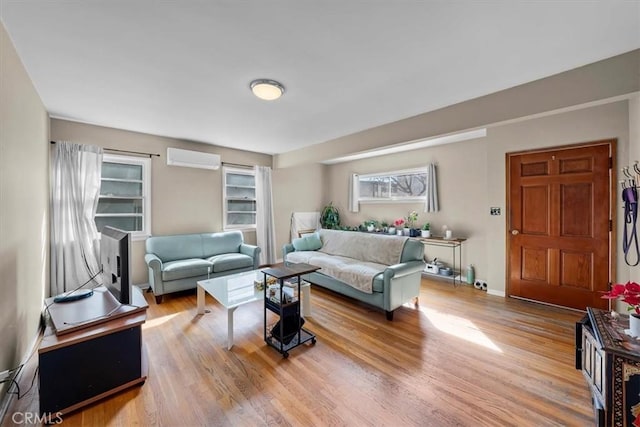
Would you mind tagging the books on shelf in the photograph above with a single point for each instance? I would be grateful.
(289, 294)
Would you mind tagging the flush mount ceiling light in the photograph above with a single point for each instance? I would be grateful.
(268, 90)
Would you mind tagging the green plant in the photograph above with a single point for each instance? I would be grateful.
(330, 217)
(426, 226)
(412, 217)
(371, 223)
(384, 224)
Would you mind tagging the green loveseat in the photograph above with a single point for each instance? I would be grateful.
(177, 262)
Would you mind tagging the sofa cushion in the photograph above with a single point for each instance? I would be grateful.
(310, 242)
(178, 247)
(226, 262)
(183, 268)
(355, 273)
(221, 243)
(370, 247)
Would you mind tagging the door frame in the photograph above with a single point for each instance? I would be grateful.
(613, 190)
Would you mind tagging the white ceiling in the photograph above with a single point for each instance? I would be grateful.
(182, 68)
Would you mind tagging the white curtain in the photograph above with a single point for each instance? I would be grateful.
(75, 188)
(354, 193)
(431, 204)
(265, 225)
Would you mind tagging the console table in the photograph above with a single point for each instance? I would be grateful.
(610, 362)
(92, 362)
(455, 244)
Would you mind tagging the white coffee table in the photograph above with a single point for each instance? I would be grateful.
(235, 290)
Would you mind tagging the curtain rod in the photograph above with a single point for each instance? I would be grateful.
(126, 151)
(237, 165)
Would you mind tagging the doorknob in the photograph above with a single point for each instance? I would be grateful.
(514, 232)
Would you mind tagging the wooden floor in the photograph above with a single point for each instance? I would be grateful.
(463, 358)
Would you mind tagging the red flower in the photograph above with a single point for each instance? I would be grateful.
(632, 287)
(617, 290)
(628, 293)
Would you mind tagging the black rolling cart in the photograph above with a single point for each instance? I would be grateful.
(287, 333)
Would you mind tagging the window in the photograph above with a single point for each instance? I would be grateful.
(239, 194)
(125, 196)
(403, 186)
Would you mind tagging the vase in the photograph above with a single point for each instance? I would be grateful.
(399, 232)
(392, 230)
(406, 231)
(425, 233)
(634, 325)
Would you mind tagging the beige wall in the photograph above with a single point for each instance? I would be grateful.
(591, 124)
(24, 213)
(634, 155)
(296, 189)
(183, 200)
(580, 105)
(471, 179)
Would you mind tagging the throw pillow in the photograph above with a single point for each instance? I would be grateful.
(313, 241)
(300, 244)
(310, 242)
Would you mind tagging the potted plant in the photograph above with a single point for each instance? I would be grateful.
(330, 217)
(397, 224)
(630, 294)
(426, 230)
(371, 225)
(412, 217)
(385, 226)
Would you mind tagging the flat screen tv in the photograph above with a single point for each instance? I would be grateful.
(115, 258)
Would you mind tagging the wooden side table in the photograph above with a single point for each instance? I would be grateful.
(93, 362)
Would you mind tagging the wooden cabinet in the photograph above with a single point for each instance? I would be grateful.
(91, 362)
(610, 362)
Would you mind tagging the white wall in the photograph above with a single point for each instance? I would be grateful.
(634, 155)
(24, 208)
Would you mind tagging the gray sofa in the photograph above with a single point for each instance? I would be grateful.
(381, 270)
(177, 262)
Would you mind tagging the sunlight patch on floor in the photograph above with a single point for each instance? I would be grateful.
(459, 327)
(159, 321)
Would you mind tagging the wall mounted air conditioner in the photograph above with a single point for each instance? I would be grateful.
(192, 159)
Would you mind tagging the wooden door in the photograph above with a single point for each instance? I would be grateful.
(560, 236)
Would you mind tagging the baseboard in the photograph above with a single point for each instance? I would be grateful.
(7, 398)
(496, 293)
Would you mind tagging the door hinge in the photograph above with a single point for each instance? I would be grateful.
(610, 225)
(610, 162)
